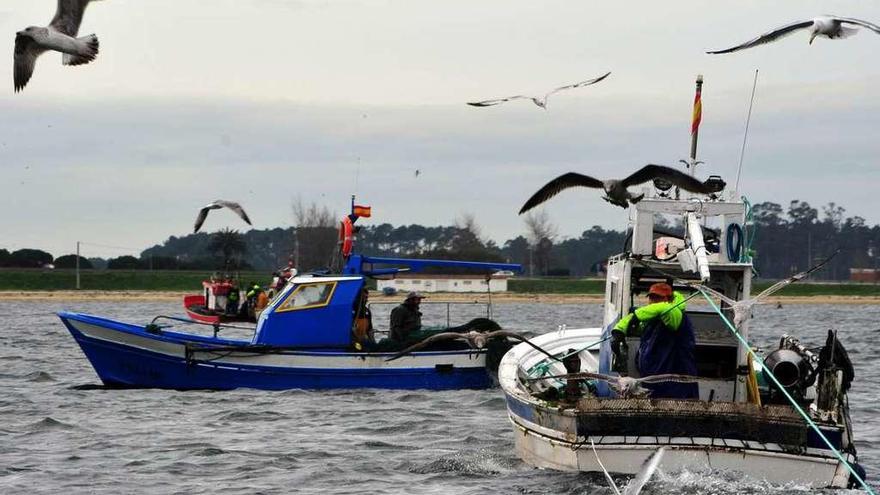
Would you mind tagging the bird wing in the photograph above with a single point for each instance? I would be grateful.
(68, 16)
(425, 342)
(668, 377)
(200, 219)
(557, 185)
(634, 487)
(677, 177)
(859, 22)
(768, 37)
(26, 52)
(578, 84)
(580, 375)
(730, 302)
(489, 103)
(790, 280)
(514, 335)
(232, 205)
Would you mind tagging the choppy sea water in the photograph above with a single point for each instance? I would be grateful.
(59, 435)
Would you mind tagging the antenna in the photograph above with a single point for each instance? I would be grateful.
(745, 136)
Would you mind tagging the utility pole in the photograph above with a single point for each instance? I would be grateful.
(77, 265)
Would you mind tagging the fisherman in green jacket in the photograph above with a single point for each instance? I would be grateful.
(667, 341)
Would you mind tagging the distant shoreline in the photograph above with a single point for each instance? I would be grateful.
(378, 297)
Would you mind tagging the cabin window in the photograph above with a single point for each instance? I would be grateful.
(417, 282)
(467, 282)
(306, 296)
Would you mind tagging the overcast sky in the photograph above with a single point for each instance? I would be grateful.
(265, 101)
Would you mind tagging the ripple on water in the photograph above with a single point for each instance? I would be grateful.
(472, 463)
(47, 424)
(39, 376)
(250, 416)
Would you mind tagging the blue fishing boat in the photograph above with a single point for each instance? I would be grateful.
(311, 336)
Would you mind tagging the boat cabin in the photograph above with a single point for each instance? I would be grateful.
(712, 257)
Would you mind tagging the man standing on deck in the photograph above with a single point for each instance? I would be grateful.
(406, 318)
(667, 341)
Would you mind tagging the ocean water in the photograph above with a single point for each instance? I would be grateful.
(62, 433)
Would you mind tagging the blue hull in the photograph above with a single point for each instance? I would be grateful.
(125, 355)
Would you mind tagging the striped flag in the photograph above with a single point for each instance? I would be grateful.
(360, 211)
(698, 109)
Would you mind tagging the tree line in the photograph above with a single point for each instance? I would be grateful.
(784, 240)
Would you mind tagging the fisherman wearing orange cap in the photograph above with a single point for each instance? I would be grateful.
(667, 340)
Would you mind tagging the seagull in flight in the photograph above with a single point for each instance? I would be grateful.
(476, 340)
(828, 26)
(541, 102)
(203, 213)
(625, 386)
(59, 35)
(616, 191)
(742, 310)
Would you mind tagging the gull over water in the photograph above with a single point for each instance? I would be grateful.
(541, 101)
(616, 191)
(60, 35)
(217, 204)
(828, 26)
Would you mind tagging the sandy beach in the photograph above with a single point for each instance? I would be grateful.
(507, 297)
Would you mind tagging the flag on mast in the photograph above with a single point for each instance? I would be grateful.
(698, 107)
(361, 211)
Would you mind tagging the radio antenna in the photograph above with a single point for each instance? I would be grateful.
(745, 136)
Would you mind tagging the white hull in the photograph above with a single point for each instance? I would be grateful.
(714, 454)
(547, 436)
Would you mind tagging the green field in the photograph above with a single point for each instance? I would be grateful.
(160, 280)
(174, 280)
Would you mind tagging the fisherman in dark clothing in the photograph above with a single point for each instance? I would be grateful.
(406, 318)
(667, 341)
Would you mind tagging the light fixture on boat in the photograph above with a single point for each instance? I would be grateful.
(662, 185)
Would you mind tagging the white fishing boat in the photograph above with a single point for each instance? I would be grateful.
(783, 417)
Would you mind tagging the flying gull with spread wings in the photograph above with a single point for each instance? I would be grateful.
(217, 204)
(742, 310)
(616, 191)
(829, 26)
(476, 340)
(624, 386)
(60, 35)
(541, 102)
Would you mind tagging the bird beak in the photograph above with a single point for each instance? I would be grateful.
(812, 37)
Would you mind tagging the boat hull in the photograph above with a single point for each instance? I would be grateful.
(125, 355)
(771, 442)
(680, 454)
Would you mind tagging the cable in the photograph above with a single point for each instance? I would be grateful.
(794, 403)
(745, 135)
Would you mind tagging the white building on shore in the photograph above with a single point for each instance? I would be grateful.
(444, 283)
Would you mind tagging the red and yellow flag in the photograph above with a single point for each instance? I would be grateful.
(361, 211)
(698, 111)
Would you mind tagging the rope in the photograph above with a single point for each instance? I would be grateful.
(787, 395)
(542, 367)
